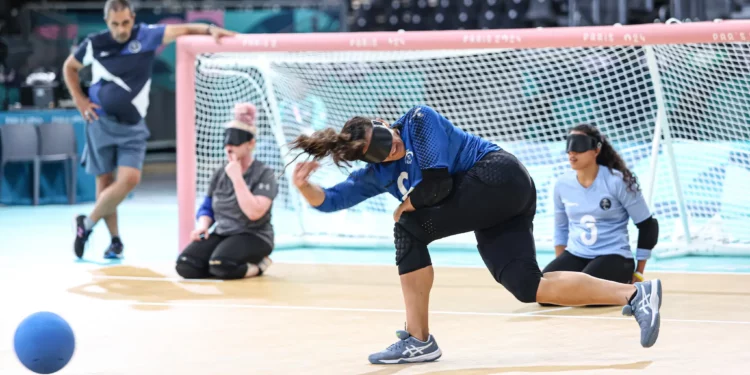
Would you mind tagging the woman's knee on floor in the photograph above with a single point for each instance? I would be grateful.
(227, 269)
(521, 277)
(191, 268)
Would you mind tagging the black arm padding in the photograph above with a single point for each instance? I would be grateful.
(436, 185)
(648, 233)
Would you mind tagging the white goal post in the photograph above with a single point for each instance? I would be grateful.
(673, 99)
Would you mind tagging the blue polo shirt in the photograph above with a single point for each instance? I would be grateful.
(121, 72)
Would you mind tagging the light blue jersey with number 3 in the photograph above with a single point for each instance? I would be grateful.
(593, 221)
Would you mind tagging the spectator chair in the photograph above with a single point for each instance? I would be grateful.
(57, 143)
(19, 143)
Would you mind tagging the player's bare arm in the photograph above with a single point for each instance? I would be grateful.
(172, 32)
(71, 67)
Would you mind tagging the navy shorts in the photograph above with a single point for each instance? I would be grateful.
(110, 144)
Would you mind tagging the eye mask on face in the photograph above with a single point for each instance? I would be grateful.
(236, 137)
(581, 143)
(380, 143)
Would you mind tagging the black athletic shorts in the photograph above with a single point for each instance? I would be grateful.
(496, 199)
(609, 267)
(240, 249)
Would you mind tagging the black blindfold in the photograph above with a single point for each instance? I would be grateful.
(380, 143)
(236, 137)
(581, 143)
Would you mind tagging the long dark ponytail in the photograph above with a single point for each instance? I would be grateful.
(609, 157)
(343, 147)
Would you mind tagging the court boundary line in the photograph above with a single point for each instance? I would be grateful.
(537, 312)
(484, 267)
(436, 312)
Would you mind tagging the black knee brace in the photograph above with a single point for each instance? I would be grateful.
(411, 253)
(227, 269)
(191, 268)
(521, 278)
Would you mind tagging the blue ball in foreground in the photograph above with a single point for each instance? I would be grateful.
(44, 342)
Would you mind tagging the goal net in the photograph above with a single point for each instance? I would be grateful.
(673, 99)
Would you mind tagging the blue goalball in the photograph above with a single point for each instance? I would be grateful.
(44, 342)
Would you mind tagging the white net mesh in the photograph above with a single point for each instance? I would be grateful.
(707, 101)
(522, 99)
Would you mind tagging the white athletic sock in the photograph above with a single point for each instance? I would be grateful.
(264, 264)
(87, 223)
(252, 270)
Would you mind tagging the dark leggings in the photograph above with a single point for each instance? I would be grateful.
(608, 267)
(495, 199)
(223, 257)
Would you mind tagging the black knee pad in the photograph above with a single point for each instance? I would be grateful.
(411, 253)
(522, 277)
(191, 268)
(227, 269)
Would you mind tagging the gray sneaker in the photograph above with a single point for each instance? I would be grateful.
(645, 307)
(407, 350)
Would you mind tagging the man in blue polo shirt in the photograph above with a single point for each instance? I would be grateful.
(121, 60)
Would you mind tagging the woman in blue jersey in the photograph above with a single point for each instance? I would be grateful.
(451, 182)
(593, 204)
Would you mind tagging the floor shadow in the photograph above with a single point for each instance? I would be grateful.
(524, 369)
(154, 291)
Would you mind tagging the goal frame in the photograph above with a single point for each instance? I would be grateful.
(190, 47)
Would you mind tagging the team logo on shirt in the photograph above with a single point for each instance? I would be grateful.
(409, 157)
(134, 46)
(605, 204)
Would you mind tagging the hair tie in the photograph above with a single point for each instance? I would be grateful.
(245, 112)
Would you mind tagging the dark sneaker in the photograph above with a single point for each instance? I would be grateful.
(82, 235)
(114, 251)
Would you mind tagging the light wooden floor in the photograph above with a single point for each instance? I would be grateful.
(318, 319)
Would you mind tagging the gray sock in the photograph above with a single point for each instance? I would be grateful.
(88, 224)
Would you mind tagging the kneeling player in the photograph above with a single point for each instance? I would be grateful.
(239, 201)
(593, 204)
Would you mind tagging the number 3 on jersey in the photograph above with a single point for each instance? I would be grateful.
(589, 222)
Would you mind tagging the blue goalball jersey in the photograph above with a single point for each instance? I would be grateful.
(430, 140)
(121, 72)
(593, 221)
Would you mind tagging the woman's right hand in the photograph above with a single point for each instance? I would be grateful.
(195, 235)
(302, 172)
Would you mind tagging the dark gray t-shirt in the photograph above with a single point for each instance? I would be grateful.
(228, 215)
